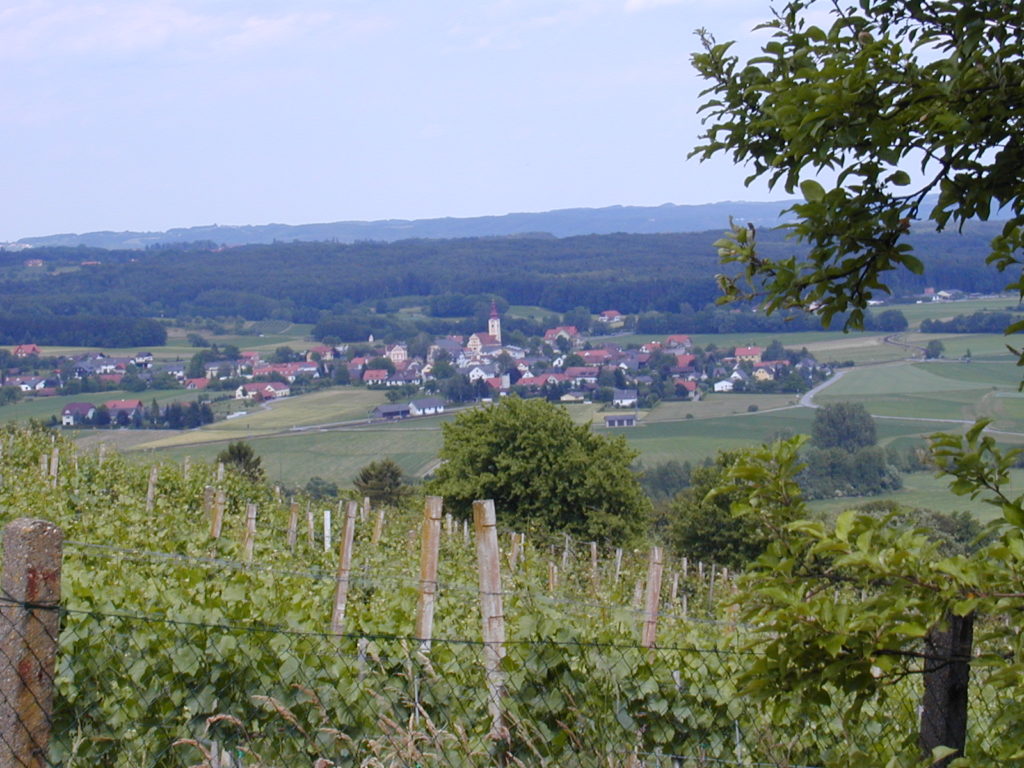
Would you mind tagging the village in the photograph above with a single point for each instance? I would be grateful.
(564, 366)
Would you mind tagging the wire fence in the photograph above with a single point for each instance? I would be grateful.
(135, 690)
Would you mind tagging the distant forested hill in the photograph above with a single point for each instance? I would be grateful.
(303, 281)
(561, 223)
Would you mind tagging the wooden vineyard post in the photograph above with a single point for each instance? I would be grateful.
(675, 586)
(449, 524)
(29, 626)
(293, 525)
(207, 499)
(515, 550)
(154, 475)
(44, 465)
(378, 527)
(364, 513)
(552, 577)
(430, 544)
(327, 530)
(220, 471)
(565, 553)
(348, 531)
(711, 587)
(310, 536)
(465, 531)
(249, 542)
(651, 604)
(593, 564)
(618, 563)
(54, 466)
(491, 611)
(217, 515)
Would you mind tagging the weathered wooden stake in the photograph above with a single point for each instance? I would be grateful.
(54, 466)
(154, 475)
(220, 503)
(44, 464)
(593, 563)
(618, 563)
(348, 531)
(327, 530)
(29, 626)
(378, 527)
(465, 531)
(449, 524)
(220, 471)
(711, 587)
(947, 670)
(249, 542)
(565, 553)
(310, 535)
(364, 513)
(430, 544)
(686, 606)
(686, 569)
(675, 586)
(491, 612)
(293, 525)
(515, 550)
(552, 577)
(652, 603)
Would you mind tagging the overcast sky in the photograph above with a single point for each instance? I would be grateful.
(149, 115)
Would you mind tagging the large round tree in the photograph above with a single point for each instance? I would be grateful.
(541, 470)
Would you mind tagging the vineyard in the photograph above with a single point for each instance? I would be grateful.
(209, 621)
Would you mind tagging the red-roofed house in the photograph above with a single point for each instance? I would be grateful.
(595, 356)
(375, 376)
(480, 340)
(749, 354)
(262, 390)
(685, 362)
(678, 340)
(567, 332)
(129, 408)
(76, 413)
(26, 350)
(197, 383)
(610, 316)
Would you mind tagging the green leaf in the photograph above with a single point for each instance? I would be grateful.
(812, 191)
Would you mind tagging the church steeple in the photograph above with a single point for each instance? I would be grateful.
(494, 322)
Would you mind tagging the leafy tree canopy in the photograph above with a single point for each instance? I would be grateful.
(383, 481)
(843, 425)
(541, 469)
(240, 457)
(867, 116)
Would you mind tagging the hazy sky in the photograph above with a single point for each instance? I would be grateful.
(147, 115)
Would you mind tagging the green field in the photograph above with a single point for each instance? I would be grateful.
(941, 310)
(924, 489)
(42, 408)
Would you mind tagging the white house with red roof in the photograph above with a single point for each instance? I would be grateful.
(748, 354)
(375, 376)
(677, 340)
(26, 350)
(611, 318)
(262, 390)
(76, 413)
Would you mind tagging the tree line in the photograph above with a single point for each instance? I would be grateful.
(631, 273)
